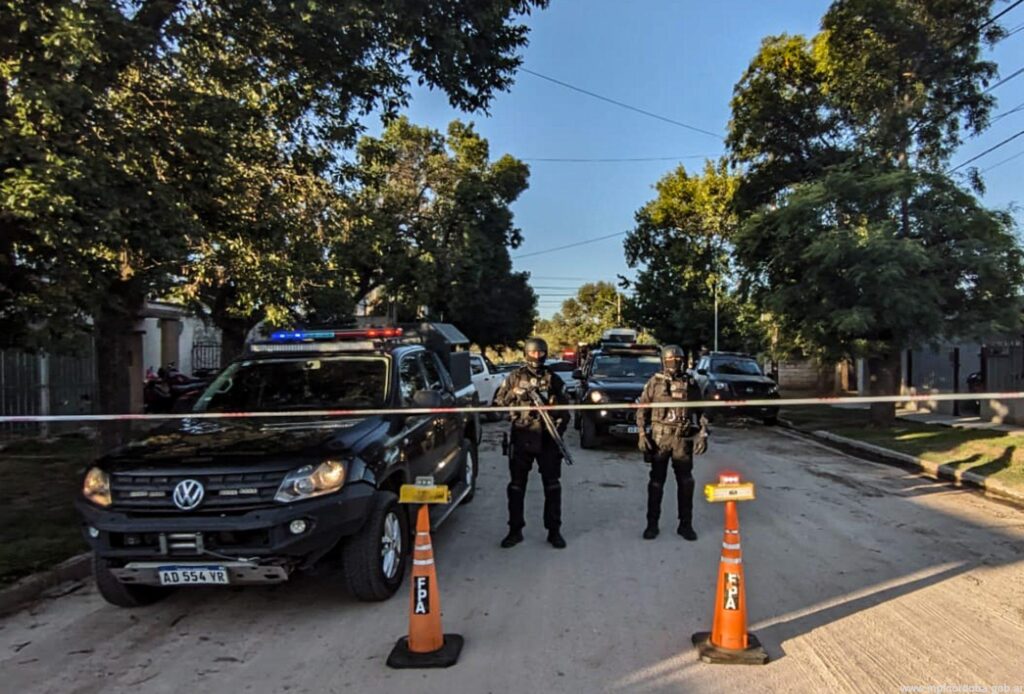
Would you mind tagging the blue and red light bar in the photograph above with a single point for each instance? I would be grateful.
(337, 335)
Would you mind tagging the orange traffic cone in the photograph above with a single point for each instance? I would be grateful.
(426, 646)
(729, 641)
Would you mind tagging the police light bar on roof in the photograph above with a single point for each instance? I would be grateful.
(334, 335)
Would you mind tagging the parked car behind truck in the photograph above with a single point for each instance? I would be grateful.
(242, 500)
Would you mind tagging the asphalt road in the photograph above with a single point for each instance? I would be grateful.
(860, 577)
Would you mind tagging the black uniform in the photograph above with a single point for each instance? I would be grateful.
(531, 442)
(671, 435)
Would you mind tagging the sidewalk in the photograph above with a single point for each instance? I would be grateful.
(961, 422)
(967, 450)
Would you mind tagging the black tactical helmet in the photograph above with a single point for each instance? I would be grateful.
(535, 344)
(672, 358)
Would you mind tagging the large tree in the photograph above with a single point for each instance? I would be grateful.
(852, 233)
(682, 245)
(428, 222)
(123, 139)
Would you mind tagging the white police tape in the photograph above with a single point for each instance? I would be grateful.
(696, 404)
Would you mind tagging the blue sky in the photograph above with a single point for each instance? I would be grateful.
(679, 59)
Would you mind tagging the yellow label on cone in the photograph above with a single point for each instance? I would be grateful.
(729, 492)
(415, 494)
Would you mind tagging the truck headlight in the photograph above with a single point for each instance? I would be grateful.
(309, 481)
(721, 386)
(773, 389)
(96, 487)
(598, 396)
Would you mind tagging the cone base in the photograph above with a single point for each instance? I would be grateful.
(447, 655)
(754, 654)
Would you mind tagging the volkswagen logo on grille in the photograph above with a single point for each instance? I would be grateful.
(188, 494)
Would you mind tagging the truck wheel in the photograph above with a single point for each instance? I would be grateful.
(470, 469)
(123, 594)
(374, 559)
(588, 433)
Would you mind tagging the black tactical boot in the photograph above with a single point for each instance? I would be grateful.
(686, 530)
(556, 539)
(652, 531)
(513, 538)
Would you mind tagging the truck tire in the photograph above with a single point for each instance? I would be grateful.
(375, 558)
(123, 594)
(588, 433)
(471, 468)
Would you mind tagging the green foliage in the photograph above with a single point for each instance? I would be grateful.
(155, 146)
(682, 243)
(427, 221)
(583, 318)
(851, 235)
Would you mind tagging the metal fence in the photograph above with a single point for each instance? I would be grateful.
(205, 355)
(41, 383)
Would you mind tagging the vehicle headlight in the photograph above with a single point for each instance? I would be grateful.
(96, 487)
(598, 396)
(773, 389)
(309, 481)
(721, 386)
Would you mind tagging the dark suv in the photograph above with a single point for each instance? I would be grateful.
(243, 500)
(734, 376)
(613, 375)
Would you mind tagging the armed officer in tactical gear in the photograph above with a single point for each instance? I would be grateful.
(676, 433)
(530, 441)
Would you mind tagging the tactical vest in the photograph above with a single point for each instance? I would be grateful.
(665, 389)
(527, 427)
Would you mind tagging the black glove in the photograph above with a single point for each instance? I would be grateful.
(700, 442)
(644, 442)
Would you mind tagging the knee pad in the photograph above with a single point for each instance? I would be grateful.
(552, 486)
(515, 488)
(655, 485)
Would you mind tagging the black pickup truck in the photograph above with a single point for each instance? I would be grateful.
(613, 373)
(244, 500)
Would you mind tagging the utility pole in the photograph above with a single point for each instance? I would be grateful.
(716, 315)
(618, 308)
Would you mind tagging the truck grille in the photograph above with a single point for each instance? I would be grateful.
(223, 491)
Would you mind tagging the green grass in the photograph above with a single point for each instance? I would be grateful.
(993, 454)
(38, 524)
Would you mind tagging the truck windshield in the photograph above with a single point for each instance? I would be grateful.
(616, 366)
(298, 384)
(736, 367)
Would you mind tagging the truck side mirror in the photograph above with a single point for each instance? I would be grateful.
(702, 372)
(577, 374)
(426, 398)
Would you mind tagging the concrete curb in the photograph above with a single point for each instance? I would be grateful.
(32, 587)
(991, 487)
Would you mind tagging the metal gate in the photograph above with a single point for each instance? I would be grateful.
(205, 355)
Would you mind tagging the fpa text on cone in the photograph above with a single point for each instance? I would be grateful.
(426, 646)
(729, 642)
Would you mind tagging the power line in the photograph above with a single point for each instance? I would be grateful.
(624, 105)
(1004, 161)
(581, 279)
(1000, 14)
(1005, 79)
(570, 245)
(1004, 114)
(987, 151)
(583, 160)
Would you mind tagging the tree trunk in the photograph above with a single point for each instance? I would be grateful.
(232, 341)
(884, 379)
(113, 325)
